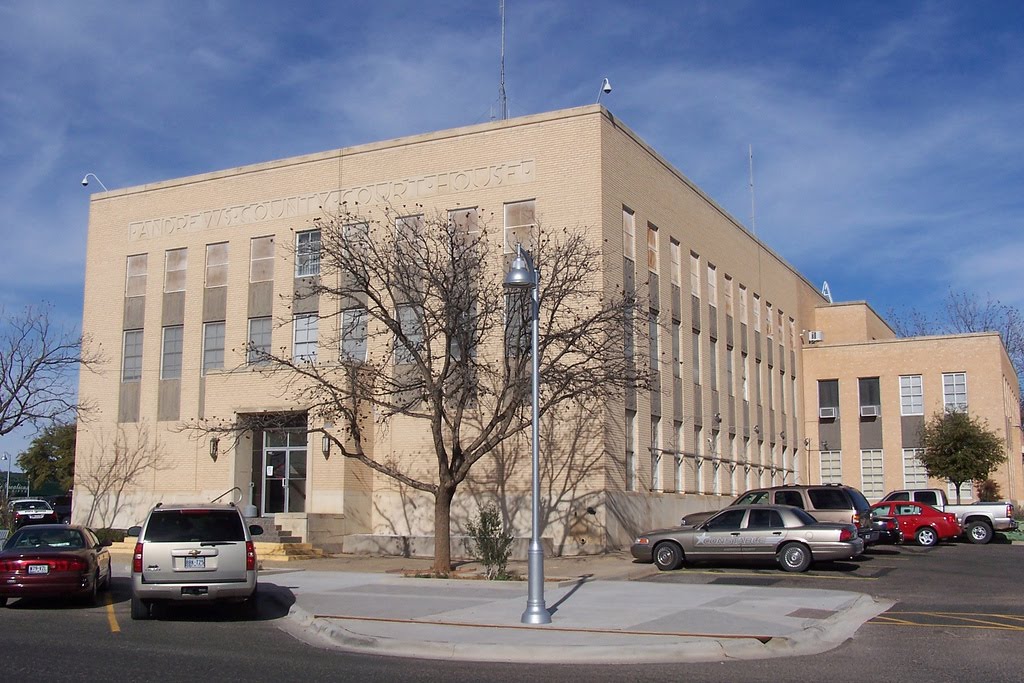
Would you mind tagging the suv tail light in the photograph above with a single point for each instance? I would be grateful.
(250, 556)
(137, 559)
(855, 519)
(1009, 510)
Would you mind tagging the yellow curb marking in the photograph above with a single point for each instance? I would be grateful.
(968, 619)
(111, 617)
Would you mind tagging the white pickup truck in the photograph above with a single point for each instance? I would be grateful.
(979, 520)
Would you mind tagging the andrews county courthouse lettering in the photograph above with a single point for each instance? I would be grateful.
(755, 377)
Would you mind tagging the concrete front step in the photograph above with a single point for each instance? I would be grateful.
(283, 552)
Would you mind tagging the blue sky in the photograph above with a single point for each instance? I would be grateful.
(888, 154)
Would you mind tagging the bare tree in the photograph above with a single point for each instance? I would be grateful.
(432, 288)
(114, 464)
(965, 312)
(37, 364)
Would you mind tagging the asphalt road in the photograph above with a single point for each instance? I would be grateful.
(958, 617)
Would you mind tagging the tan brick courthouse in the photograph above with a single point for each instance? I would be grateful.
(759, 378)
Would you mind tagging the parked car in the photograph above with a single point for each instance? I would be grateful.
(780, 533)
(53, 560)
(193, 553)
(62, 506)
(978, 520)
(887, 526)
(825, 502)
(32, 511)
(923, 523)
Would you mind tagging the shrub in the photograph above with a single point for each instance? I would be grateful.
(112, 535)
(490, 544)
(988, 491)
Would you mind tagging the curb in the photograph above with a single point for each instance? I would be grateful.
(814, 639)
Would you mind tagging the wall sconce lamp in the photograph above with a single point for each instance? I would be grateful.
(757, 429)
(326, 446)
(718, 417)
(824, 445)
(214, 445)
(807, 442)
(782, 435)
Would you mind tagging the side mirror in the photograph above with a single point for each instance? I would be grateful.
(134, 531)
(105, 544)
(255, 530)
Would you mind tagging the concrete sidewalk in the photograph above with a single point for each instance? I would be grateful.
(378, 606)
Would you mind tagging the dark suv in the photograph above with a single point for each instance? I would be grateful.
(193, 553)
(825, 502)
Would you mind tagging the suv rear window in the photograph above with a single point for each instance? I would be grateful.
(859, 501)
(180, 526)
(830, 499)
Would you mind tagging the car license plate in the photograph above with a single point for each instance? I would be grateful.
(35, 516)
(38, 569)
(195, 563)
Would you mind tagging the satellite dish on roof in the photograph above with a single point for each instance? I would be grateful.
(826, 292)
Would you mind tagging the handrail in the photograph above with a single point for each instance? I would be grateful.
(235, 488)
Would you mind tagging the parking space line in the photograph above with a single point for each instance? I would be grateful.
(963, 620)
(111, 617)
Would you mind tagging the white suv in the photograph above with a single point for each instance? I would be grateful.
(193, 553)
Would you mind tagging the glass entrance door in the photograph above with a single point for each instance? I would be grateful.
(284, 471)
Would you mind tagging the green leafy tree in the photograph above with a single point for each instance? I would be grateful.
(51, 457)
(960, 448)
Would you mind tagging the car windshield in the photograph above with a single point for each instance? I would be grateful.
(31, 505)
(57, 539)
(195, 526)
(752, 498)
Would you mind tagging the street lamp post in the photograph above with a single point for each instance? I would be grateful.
(522, 274)
(7, 485)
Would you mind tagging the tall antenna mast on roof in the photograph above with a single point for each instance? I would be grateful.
(753, 225)
(503, 101)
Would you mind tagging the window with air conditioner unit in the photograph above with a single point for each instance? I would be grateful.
(828, 413)
(828, 399)
(870, 396)
(870, 411)
(815, 336)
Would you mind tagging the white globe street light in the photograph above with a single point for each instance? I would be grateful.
(522, 274)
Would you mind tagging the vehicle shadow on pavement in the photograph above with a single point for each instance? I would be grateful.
(272, 602)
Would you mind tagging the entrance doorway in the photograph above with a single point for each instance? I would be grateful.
(284, 471)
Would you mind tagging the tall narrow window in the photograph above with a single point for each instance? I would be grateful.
(652, 248)
(954, 391)
(713, 363)
(652, 333)
(306, 328)
(655, 453)
(727, 286)
(170, 360)
(677, 352)
(217, 264)
(410, 322)
(407, 228)
(353, 335)
(307, 253)
(261, 259)
(135, 280)
(743, 304)
(694, 274)
(729, 351)
(520, 225)
(213, 346)
(131, 362)
(175, 264)
(769, 319)
(678, 481)
(630, 450)
(696, 357)
(712, 285)
(628, 234)
(756, 305)
(676, 254)
(259, 340)
(911, 395)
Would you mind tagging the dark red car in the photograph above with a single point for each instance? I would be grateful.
(921, 522)
(53, 560)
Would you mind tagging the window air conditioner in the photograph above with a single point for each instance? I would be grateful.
(870, 411)
(828, 413)
(815, 336)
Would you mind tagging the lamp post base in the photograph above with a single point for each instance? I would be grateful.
(536, 612)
